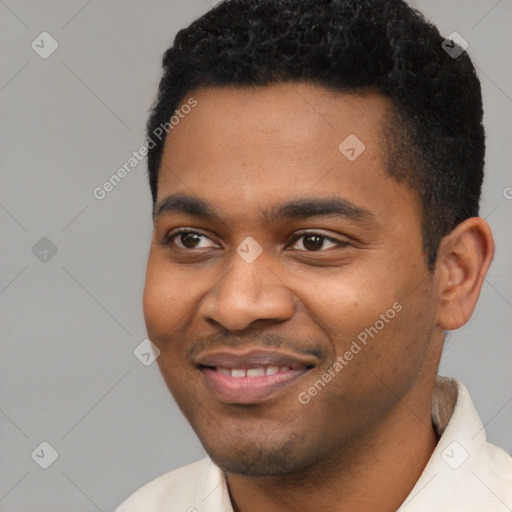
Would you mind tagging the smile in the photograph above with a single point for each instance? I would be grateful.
(251, 377)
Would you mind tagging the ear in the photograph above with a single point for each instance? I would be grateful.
(463, 258)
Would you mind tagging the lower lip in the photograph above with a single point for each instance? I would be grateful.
(247, 390)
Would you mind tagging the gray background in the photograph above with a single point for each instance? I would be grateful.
(69, 325)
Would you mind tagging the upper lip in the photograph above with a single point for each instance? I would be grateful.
(253, 358)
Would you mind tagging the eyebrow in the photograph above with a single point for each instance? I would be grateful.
(190, 205)
(295, 209)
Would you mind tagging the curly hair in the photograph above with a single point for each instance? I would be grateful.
(434, 134)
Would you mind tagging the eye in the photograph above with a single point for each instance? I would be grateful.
(312, 241)
(187, 239)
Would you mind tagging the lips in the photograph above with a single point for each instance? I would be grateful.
(251, 376)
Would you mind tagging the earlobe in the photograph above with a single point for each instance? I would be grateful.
(464, 257)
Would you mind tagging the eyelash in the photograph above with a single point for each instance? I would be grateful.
(168, 240)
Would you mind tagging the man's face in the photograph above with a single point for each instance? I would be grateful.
(334, 266)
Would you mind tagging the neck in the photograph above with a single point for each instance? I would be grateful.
(376, 472)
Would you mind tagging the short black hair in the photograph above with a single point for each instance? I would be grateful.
(434, 134)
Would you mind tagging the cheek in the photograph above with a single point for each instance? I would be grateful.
(164, 298)
(165, 312)
(345, 302)
(372, 319)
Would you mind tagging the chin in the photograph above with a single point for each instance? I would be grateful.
(250, 460)
(263, 465)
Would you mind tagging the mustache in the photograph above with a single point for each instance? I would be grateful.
(303, 345)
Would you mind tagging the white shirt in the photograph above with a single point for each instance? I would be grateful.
(464, 474)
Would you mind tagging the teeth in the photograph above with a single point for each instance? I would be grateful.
(253, 372)
(256, 372)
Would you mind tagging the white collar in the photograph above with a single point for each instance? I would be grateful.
(464, 473)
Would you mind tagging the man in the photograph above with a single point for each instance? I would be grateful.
(316, 232)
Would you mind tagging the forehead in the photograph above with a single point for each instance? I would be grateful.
(264, 144)
(298, 115)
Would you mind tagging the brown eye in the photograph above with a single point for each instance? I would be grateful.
(312, 242)
(189, 240)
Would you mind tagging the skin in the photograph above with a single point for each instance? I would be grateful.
(245, 150)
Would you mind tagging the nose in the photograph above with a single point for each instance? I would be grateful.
(246, 293)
